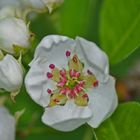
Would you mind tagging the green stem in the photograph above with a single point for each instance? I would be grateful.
(93, 132)
(95, 136)
(1, 55)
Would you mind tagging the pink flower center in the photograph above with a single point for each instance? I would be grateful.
(72, 83)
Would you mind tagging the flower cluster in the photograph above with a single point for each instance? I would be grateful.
(68, 78)
(15, 39)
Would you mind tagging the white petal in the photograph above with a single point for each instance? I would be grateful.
(4, 3)
(35, 4)
(10, 11)
(37, 84)
(13, 32)
(102, 101)
(95, 58)
(7, 125)
(66, 118)
(53, 48)
(11, 74)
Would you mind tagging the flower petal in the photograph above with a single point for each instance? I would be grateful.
(11, 74)
(7, 125)
(35, 4)
(53, 48)
(66, 118)
(37, 84)
(10, 11)
(4, 3)
(95, 58)
(102, 101)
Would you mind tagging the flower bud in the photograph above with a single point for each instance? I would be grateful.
(14, 35)
(11, 11)
(42, 5)
(11, 74)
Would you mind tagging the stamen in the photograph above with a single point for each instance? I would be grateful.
(63, 91)
(81, 83)
(68, 53)
(89, 72)
(68, 91)
(95, 84)
(51, 66)
(56, 100)
(49, 91)
(85, 96)
(49, 75)
(63, 72)
(74, 73)
(72, 94)
(75, 59)
(78, 88)
(60, 84)
(77, 75)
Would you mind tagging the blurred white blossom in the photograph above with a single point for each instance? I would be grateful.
(21, 8)
(11, 11)
(7, 125)
(14, 35)
(4, 3)
(11, 74)
(42, 5)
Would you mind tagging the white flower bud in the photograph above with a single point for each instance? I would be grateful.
(7, 125)
(11, 11)
(11, 74)
(42, 5)
(13, 33)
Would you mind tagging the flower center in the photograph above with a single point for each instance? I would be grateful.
(72, 83)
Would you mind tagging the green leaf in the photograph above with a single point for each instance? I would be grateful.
(78, 18)
(119, 28)
(124, 124)
(47, 134)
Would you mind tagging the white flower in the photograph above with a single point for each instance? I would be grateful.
(14, 33)
(42, 5)
(7, 125)
(70, 79)
(11, 74)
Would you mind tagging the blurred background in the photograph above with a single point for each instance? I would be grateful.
(106, 22)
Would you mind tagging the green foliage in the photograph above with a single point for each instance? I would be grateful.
(124, 124)
(119, 28)
(73, 18)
